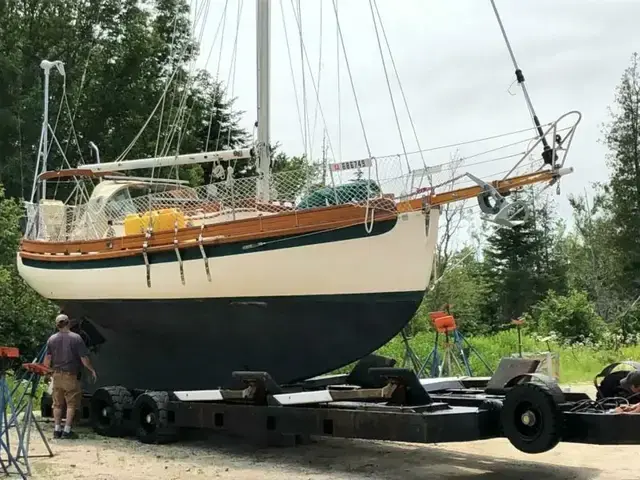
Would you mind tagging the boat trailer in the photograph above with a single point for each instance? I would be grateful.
(374, 401)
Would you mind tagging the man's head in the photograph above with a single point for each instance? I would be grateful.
(631, 381)
(62, 322)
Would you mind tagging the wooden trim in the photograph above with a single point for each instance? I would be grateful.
(503, 186)
(286, 223)
(75, 172)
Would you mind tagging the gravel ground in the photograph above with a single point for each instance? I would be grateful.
(228, 458)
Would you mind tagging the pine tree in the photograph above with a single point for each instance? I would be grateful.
(522, 263)
(622, 136)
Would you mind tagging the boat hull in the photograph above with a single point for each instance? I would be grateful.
(196, 344)
(296, 307)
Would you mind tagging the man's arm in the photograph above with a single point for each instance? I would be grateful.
(87, 364)
(47, 357)
(83, 351)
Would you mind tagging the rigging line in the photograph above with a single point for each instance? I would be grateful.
(315, 113)
(293, 78)
(232, 70)
(232, 74)
(82, 82)
(386, 75)
(304, 81)
(520, 77)
(324, 120)
(192, 77)
(224, 27)
(179, 113)
(161, 120)
(353, 88)
(338, 91)
(146, 123)
(468, 142)
(217, 85)
(179, 124)
(71, 120)
(55, 126)
(395, 70)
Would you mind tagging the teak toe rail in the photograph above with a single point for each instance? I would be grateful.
(258, 228)
(261, 227)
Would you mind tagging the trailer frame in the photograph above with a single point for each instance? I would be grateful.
(375, 401)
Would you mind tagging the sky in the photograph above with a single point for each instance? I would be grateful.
(453, 65)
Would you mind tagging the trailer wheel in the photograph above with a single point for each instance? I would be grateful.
(151, 418)
(531, 419)
(46, 406)
(110, 408)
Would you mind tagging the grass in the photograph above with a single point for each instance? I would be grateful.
(577, 364)
(17, 394)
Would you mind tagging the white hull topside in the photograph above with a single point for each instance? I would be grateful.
(399, 260)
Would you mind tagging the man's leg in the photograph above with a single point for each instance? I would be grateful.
(73, 396)
(57, 396)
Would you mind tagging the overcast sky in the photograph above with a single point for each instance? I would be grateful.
(453, 65)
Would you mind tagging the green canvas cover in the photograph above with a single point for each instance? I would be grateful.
(355, 191)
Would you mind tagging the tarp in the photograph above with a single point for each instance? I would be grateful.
(355, 191)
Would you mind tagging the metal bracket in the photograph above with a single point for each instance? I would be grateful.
(145, 245)
(177, 250)
(204, 254)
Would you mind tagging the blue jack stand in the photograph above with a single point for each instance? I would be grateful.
(16, 412)
(454, 360)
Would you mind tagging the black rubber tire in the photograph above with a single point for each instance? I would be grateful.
(546, 431)
(151, 419)
(46, 406)
(110, 410)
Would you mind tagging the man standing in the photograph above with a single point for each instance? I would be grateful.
(66, 353)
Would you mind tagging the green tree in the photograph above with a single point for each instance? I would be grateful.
(594, 259)
(25, 317)
(573, 317)
(463, 287)
(118, 56)
(622, 137)
(522, 263)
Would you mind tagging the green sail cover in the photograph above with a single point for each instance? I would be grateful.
(355, 191)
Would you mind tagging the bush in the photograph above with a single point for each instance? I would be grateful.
(572, 318)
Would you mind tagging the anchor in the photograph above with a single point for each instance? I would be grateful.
(497, 209)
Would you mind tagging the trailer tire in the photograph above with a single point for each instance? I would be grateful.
(110, 408)
(46, 406)
(151, 419)
(531, 419)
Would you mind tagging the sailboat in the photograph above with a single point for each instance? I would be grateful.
(174, 287)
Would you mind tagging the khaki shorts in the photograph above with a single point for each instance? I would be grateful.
(66, 388)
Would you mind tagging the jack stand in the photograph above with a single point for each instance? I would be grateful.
(7, 461)
(20, 399)
(518, 323)
(455, 350)
(410, 357)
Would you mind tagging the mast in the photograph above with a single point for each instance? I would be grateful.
(263, 50)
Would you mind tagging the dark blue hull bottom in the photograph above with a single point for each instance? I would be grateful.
(196, 344)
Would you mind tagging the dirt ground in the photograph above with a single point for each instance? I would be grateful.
(94, 457)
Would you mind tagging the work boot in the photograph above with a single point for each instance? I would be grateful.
(69, 435)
